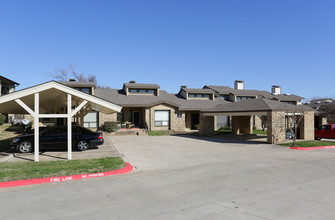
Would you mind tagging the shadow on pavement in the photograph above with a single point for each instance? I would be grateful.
(229, 138)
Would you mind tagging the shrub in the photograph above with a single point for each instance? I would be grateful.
(224, 128)
(2, 119)
(110, 126)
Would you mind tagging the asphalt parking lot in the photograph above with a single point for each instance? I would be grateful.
(185, 177)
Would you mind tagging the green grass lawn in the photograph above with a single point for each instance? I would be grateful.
(259, 131)
(31, 170)
(310, 144)
(159, 133)
(223, 132)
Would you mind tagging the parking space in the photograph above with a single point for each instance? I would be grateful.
(176, 152)
(105, 150)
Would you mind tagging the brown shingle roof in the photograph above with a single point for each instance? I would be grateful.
(255, 105)
(77, 83)
(118, 97)
(2, 78)
(198, 91)
(141, 86)
(251, 92)
(220, 89)
(287, 97)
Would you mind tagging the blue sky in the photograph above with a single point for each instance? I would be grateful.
(173, 42)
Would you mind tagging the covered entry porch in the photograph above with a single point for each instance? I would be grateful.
(53, 100)
(279, 117)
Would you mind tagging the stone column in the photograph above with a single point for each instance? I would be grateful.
(307, 126)
(242, 125)
(206, 125)
(276, 127)
(235, 121)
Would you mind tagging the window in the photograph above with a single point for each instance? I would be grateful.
(225, 97)
(142, 91)
(86, 90)
(289, 102)
(239, 98)
(4, 90)
(192, 95)
(91, 120)
(162, 118)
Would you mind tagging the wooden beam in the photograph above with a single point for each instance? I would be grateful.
(79, 108)
(53, 115)
(69, 127)
(23, 105)
(36, 126)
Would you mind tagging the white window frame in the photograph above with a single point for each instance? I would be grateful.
(160, 119)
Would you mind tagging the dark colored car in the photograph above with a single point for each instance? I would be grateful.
(56, 138)
(325, 131)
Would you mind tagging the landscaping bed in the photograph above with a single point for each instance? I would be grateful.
(34, 170)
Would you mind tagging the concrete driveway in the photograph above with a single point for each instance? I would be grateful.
(190, 178)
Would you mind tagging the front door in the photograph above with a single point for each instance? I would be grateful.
(136, 118)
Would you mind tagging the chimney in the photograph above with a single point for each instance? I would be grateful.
(239, 84)
(276, 90)
(72, 80)
(132, 81)
(183, 87)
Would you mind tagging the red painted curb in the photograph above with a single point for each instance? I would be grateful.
(312, 148)
(128, 168)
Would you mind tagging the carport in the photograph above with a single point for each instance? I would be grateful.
(276, 113)
(54, 100)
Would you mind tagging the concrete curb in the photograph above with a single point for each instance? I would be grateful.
(128, 168)
(312, 148)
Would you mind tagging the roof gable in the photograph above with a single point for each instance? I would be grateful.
(26, 94)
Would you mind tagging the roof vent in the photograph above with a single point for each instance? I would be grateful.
(72, 80)
(132, 81)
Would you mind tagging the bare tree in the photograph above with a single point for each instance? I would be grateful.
(64, 74)
(294, 119)
(60, 74)
(329, 111)
(288, 122)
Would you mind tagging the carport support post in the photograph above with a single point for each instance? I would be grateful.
(69, 127)
(36, 128)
